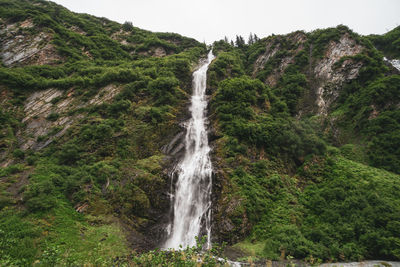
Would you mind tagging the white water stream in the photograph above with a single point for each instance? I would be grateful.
(395, 62)
(192, 194)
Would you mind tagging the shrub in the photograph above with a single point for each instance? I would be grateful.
(40, 195)
(69, 154)
(53, 116)
(164, 90)
(18, 153)
(127, 26)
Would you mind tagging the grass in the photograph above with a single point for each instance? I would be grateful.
(253, 249)
(62, 237)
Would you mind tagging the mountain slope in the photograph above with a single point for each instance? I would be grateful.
(87, 105)
(304, 129)
(278, 107)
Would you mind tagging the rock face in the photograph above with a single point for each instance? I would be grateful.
(43, 120)
(160, 52)
(329, 78)
(19, 45)
(270, 51)
(273, 46)
(325, 76)
(48, 114)
(154, 52)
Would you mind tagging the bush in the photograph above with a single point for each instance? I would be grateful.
(235, 102)
(190, 256)
(127, 26)
(164, 90)
(344, 209)
(53, 116)
(69, 154)
(40, 195)
(18, 153)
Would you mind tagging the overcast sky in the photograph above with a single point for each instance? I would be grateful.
(210, 20)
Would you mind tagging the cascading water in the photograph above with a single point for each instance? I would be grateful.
(192, 196)
(395, 62)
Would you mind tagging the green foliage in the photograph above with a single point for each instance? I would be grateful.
(41, 194)
(383, 150)
(53, 116)
(184, 43)
(237, 103)
(107, 164)
(389, 42)
(227, 64)
(155, 42)
(291, 88)
(83, 37)
(235, 97)
(69, 153)
(12, 169)
(297, 199)
(18, 153)
(56, 239)
(190, 256)
(354, 205)
(321, 38)
(370, 104)
(336, 218)
(163, 90)
(127, 26)
(17, 239)
(262, 144)
(221, 46)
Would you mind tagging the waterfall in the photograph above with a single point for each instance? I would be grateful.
(192, 195)
(394, 62)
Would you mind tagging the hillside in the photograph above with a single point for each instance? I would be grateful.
(304, 130)
(298, 120)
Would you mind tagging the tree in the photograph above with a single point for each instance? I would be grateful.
(255, 38)
(240, 41)
(127, 26)
(251, 39)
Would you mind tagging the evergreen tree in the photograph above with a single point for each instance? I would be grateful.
(239, 41)
(251, 39)
(255, 38)
(127, 26)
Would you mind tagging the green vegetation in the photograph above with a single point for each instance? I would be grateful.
(60, 237)
(246, 115)
(289, 182)
(334, 217)
(388, 43)
(302, 197)
(190, 256)
(108, 164)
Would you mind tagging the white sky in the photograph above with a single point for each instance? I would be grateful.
(211, 20)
